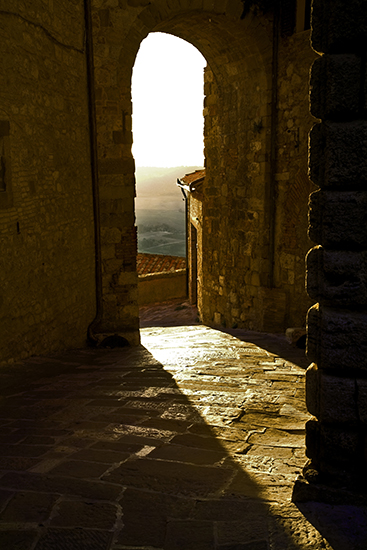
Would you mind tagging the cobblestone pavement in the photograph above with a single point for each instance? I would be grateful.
(191, 441)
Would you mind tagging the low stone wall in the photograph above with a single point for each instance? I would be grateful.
(160, 287)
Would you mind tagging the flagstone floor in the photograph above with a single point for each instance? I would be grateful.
(191, 441)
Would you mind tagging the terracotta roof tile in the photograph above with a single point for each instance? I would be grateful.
(193, 176)
(158, 263)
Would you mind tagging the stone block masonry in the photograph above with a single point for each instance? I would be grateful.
(242, 285)
(336, 278)
(47, 296)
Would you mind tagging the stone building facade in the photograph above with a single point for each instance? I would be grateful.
(192, 185)
(67, 231)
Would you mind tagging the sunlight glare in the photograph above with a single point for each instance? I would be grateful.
(167, 92)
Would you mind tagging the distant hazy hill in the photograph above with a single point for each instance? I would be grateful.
(153, 181)
(160, 210)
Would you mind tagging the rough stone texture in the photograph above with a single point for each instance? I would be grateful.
(337, 277)
(343, 166)
(338, 218)
(337, 338)
(337, 325)
(338, 26)
(47, 296)
(212, 422)
(332, 398)
(236, 207)
(339, 94)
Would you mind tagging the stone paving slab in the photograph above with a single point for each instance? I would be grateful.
(192, 441)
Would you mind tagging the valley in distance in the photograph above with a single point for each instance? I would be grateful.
(160, 210)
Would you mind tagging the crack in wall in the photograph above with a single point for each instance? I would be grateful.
(46, 31)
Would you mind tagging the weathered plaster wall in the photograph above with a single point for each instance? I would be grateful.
(47, 291)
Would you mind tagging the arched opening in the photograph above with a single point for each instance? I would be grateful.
(167, 123)
(256, 187)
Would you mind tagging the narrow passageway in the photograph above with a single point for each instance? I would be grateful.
(191, 441)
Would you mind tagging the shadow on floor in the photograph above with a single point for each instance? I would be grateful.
(119, 449)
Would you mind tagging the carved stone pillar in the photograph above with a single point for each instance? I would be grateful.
(336, 381)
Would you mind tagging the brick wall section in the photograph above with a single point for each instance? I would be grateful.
(47, 290)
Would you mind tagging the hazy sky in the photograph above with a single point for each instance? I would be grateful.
(167, 91)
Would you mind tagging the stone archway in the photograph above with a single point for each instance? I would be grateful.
(239, 56)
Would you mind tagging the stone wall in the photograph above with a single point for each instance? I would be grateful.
(248, 278)
(336, 277)
(47, 291)
(255, 200)
(161, 287)
(293, 186)
(249, 281)
(115, 47)
(195, 247)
